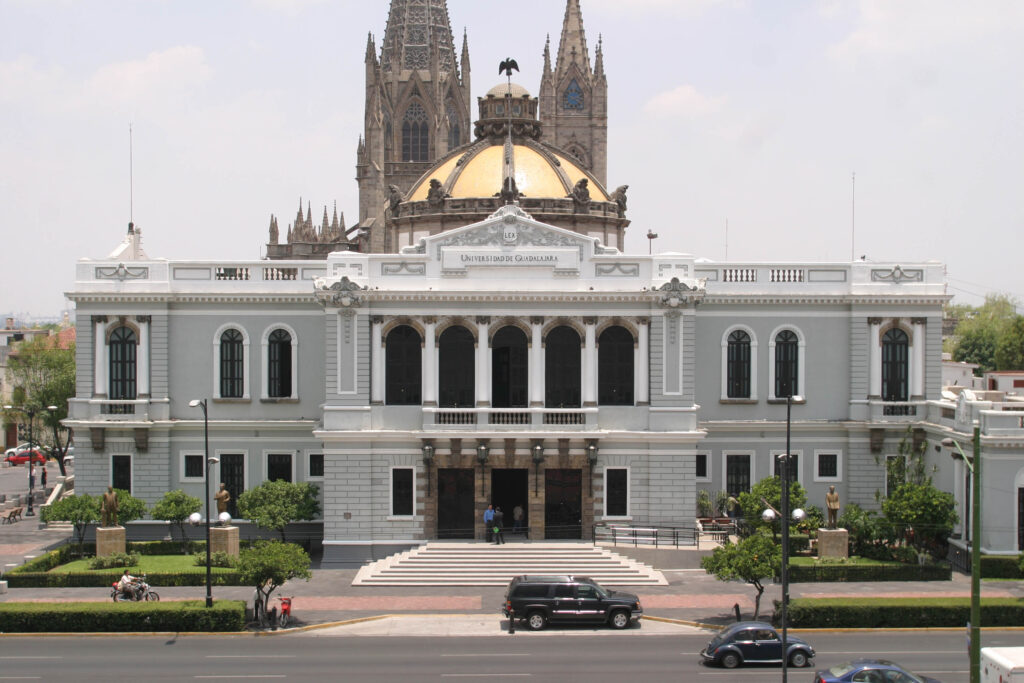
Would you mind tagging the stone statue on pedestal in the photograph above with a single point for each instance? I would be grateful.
(832, 505)
(108, 508)
(223, 497)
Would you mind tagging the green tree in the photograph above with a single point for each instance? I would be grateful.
(129, 508)
(268, 564)
(175, 507)
(978, 332)
(274, 504)
(767, 492)
(1009, 353)
(753, 559)
(80, 510)
(43, 374)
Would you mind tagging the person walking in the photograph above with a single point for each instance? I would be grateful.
(489, 522)
(499, 524)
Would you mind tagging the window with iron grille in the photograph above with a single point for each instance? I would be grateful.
(279, 364)
(786, 368)
(402, 493)
(123, 347)
(615, 367)
(231, 364)
(894, 365)
(616, 492)
(738, 365)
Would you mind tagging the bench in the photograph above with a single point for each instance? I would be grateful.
(11, 517)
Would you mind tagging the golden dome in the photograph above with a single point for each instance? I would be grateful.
(540, 171)
(502, 89)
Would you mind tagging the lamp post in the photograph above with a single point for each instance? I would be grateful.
(482, 451)
(30, 412)
(428, 457)
(538, 458)
(201, 403)
(592, 461)
(784, 458)
(974, 465)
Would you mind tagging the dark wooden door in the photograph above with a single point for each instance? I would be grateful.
(455, 488)
(232, 475)
(563, 504)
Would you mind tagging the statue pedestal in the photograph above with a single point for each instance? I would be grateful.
(224, 539)
(109, 540)
(833, 543)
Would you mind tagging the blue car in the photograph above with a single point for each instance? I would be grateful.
(755, 642)
(869, 671)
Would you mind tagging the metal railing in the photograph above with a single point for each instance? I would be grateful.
(658, 536)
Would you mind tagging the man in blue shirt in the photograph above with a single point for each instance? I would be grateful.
(489, 521)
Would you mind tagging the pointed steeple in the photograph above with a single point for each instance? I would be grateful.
(599, 58)
(547, 57)
(572, 46)
(411, 26)
(371, 50)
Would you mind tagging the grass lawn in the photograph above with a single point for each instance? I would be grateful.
(148, 564)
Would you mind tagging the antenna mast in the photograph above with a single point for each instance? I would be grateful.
(131, 177)
(853, 213)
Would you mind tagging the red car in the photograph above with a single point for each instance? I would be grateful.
(21, 457)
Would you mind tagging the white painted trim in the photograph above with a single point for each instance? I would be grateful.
(265, 462)
(707, 469)
(245, 360)
(182, 478)
(801, 352)
(751, 458)
(725, 362)
(629, 493)
(353, 360)
(391, 492)
(800, 466)
(265, 360)
(839, 465)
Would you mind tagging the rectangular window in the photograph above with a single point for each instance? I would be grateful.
(828, 466)
(316, 465)
(737, 473)
(279, 466)
(701, 469)
(193, 466)
(402, 492)
(121, 472)
(616, 492)
(794, 465)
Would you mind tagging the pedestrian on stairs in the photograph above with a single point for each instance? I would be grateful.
(489, 522)
(499, 524)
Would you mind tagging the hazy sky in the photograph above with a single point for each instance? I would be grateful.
(754, 112)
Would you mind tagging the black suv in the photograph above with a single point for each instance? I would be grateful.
(572, 599)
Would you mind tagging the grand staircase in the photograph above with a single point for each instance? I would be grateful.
(439, 563)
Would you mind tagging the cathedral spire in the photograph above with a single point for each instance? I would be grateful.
(412, 25)
(599, 58)
(371, 50)
(572, 47)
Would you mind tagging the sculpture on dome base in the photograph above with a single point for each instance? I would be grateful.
(619, 197)
(394, 198)
(436, 193)
(509, 192)
(581, 197)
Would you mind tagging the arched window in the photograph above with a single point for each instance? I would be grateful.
(894, 365)
(562, 368)
(454, 130)
(403, 367)
(787, 348)
(573, 97)
(738, 365)
(123, 347)
(615, 367)
(456, 368)
(415, 134)
(279, 364)
(509, 368)
(232, 363)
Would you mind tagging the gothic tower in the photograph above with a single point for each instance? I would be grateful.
(417, 107)
(574, 97)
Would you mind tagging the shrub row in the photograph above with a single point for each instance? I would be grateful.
(1000, 567)
(78, 617)
(900, 612)
(893, 571)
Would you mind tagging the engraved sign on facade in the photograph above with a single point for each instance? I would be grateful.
(559, 259)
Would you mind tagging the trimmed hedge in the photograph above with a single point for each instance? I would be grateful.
(80, 617)
(900, 612)
(1001, 567)
(37, 573)
(888, 571)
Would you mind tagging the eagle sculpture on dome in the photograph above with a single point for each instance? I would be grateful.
(507, 66)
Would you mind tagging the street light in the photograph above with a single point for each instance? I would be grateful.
(482, 451)
(974, 465)
(31, 414)
(538, 458)
(201, 403)
(428, 457)
(784, 459)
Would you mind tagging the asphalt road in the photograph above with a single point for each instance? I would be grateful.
(602, 658)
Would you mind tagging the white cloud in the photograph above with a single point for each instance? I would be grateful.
(683, 101)
(689, 8)
(163, 76)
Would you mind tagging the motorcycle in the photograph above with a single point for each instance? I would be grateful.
(142, 592)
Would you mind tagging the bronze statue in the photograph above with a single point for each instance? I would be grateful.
(394, 198)
(223, 497)
(436, 193)
(581, 197)
(619, 197)
(832, 504)
(108, 508)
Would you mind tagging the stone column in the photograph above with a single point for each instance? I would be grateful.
(99, 355)
(874, 357)
(429, 362)
(483, 361)
(536, 362)
(589, 365)
(917, 347)
(641, 362)
(376, 360)
(142, 357)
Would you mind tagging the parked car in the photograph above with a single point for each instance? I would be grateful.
(755, 642)
(17, 449)
(869, 671)
(539, 600)
(22, 457)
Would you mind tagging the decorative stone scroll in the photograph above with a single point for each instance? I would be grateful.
(897, 275)
(122, 272)
(675, 293)
(342, 293)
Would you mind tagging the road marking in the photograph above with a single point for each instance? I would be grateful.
(32, 657)
(20, 678)
(250, 656)
(486, 675)
(493, 654)
(245, 676)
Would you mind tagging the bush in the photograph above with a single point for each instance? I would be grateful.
(78, 617)
(1001, 567)
(900, 612)
(114, 560)
(217, 559)
(883, 571)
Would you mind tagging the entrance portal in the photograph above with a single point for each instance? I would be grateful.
(455, 489)
(563, 504)
(510, 488)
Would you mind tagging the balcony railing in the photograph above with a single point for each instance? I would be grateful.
(113, 410)
(483, 419)
(897, 411)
